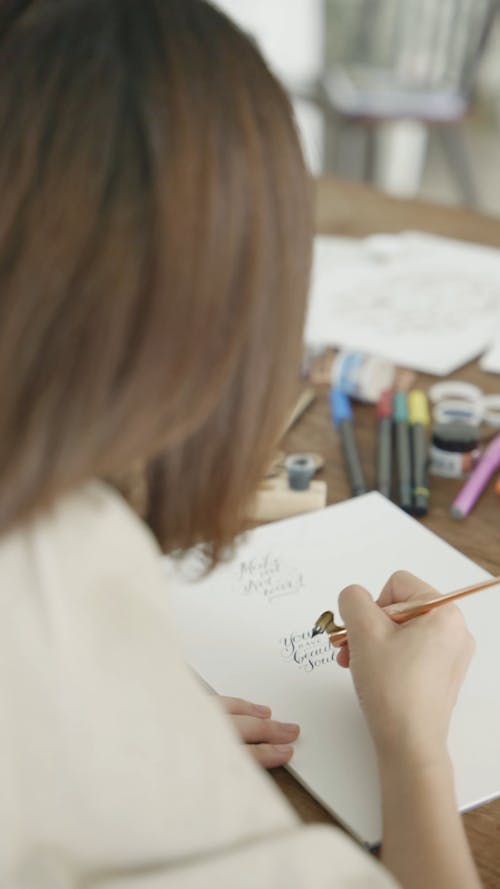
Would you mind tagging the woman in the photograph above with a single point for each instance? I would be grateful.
(154, 249)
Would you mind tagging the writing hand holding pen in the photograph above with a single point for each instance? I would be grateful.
(407, 679)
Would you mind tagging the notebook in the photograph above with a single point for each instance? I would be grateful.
(246, 631)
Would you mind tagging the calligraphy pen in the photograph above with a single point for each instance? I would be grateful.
(400, 612)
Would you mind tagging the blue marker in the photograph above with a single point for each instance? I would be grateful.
(342, 418)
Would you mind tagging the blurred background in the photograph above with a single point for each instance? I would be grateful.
(401, 93)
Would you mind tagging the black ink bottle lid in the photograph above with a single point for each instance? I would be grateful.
(458, 438)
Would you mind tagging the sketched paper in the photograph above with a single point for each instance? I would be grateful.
(423, 302)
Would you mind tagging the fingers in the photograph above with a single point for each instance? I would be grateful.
(450, 627)
(271, 756)
(363, 619)
(343, 657)
(265, 731)
(239, 707)
(268, 741)
(402, 587)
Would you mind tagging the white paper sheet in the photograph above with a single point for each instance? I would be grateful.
(241, 630)
(491, 361)
(428, 303)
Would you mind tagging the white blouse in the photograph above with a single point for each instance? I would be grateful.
(117, 771)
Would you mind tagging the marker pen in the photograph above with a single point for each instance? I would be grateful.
(403, 452)
(418, 410)
(477, 482)
(384, 443)
(342, 418)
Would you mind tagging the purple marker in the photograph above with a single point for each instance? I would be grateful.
(477, 482)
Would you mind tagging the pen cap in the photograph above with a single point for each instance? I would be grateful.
(400, 407)
(340, 406)
(384, 405)
(418, 407)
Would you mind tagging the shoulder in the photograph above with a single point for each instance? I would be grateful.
(85, 539)
(90, 568)
(95, 513)
(132, 760)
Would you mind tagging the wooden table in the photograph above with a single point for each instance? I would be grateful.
(355, 210)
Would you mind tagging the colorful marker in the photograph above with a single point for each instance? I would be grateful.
(403, 452)
(384, 443)
(477, 482)
(418, 410)
(342, 418)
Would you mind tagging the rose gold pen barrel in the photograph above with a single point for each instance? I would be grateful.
(401, 612)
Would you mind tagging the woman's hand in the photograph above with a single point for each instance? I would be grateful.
(407, 677)
(268, 741)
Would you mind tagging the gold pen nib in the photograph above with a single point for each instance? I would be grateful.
(325, 624)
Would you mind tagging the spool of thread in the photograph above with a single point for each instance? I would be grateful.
(361, 376)
(491, 412)
(455, 410)
(454, 450)
(456, 401)
(455, 389)
(300, 470)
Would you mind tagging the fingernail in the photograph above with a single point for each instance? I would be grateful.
(263, 712)
(291, 728)
(283, 749)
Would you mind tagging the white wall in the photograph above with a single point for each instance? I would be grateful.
(289, 32)
(290, 35)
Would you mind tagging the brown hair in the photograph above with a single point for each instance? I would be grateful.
(154, 251)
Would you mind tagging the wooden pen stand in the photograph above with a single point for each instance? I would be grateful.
(276, 500)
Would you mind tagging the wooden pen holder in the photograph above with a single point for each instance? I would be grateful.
(275, 499)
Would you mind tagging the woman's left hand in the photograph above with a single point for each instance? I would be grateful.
(268, 741)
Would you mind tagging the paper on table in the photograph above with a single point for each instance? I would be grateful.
(242, 630)
(491, 361)
(423, 302)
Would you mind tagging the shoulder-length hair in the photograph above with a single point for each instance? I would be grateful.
(154, 250)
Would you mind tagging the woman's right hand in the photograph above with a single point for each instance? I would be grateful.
(407, 677)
